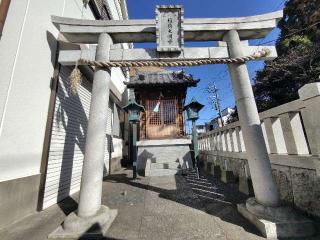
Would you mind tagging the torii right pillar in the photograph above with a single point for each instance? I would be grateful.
(264, 211)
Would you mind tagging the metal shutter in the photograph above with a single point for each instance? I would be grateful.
(116, 129)
(67, 145)
(109, 144)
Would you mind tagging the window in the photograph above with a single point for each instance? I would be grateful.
(166, 113)
(169, 112)
(154, 115)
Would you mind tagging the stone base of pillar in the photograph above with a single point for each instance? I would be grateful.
(227, 176)
(276, 222)
(75, 227)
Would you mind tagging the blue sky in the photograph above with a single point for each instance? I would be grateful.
(145, 9)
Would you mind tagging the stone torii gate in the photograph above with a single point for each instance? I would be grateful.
(170, 30)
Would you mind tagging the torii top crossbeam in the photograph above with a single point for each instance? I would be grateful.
(196, 29)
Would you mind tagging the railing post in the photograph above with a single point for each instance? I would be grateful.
(264, 133)
(240, 142)
(220, 148)
(275, 135)
(225, 140)
(232, 138)
(215, 137)
(293, 133)
(310, 95)
(211, 142)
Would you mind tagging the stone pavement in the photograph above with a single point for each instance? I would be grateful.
(171, 207)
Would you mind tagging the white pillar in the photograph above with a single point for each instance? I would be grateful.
(260, 168)
(92, 172)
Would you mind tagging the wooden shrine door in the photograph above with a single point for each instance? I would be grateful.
(162, 122)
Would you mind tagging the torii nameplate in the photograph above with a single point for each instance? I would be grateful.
(169, 30)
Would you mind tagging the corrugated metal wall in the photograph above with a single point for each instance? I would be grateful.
(67, 146)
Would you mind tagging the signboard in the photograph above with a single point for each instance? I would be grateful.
(169, 30)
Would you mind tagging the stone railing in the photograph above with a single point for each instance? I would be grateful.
(292, 136)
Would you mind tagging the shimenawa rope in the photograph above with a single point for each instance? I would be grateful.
(75, 76)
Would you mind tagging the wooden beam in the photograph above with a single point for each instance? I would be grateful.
(69, 57)
(197, 29)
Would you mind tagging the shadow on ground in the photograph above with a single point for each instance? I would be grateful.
(97, 229)
(206, 194)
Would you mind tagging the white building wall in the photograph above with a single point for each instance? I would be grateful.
(27, 56)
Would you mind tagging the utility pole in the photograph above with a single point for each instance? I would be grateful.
(215, 100)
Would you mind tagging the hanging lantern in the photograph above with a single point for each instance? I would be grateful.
(193, 109)
(134, 110)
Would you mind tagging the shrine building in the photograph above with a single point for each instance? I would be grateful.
(163, 147)
(163, 96)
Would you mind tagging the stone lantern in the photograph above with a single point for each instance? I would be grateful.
(193, 109)
(134, 109)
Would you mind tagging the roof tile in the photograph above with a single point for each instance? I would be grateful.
(162, 78)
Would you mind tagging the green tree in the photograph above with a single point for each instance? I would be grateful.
(298, 63)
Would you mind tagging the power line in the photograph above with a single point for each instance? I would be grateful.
(275, 9)
(214, 99)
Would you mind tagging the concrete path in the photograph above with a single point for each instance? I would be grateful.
(172, 207)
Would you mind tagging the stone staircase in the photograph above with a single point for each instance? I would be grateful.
(165, 168)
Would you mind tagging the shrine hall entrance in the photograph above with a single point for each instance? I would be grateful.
(162, 118)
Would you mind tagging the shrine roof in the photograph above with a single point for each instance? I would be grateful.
(162, 78)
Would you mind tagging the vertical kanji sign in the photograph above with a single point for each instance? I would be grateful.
(169, 29)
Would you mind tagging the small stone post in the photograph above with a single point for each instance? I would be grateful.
(195, 145)
(260, 168)
(134, 150)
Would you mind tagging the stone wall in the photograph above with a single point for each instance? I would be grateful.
(291, 133)
(19, 197)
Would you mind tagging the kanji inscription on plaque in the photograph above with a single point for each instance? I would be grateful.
(169, 29)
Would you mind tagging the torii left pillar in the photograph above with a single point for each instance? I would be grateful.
(93, 219)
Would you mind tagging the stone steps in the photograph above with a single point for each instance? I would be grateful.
(164, 172)
(164, 157)
(166, 165)
(165, 168)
